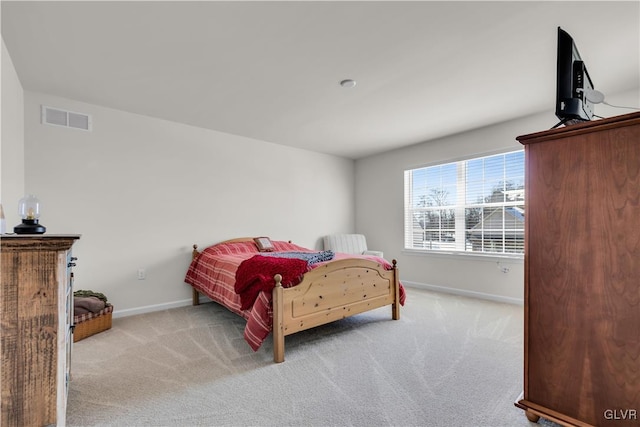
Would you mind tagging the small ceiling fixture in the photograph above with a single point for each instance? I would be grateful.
(348, 83)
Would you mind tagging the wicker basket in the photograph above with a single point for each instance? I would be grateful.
(92, 323)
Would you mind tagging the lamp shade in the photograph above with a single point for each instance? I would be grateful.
(29, 210)
(29, 207)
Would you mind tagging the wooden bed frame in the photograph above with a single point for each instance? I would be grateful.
(332, 291)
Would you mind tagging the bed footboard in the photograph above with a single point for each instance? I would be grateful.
(331, 292)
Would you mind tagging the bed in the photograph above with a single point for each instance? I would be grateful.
(277, 289)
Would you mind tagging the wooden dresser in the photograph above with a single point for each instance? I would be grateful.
(36, 311)
(582, 274)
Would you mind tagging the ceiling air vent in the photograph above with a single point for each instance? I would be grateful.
(69, 119)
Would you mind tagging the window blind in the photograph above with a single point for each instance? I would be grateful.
(474, 205)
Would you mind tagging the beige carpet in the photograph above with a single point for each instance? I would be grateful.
(449, 361)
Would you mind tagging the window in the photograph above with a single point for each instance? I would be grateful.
(472, 206)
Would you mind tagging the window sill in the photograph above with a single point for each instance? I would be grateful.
(516, 258)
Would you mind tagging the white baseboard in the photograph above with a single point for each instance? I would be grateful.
(443, 289)
(464, 292)
(156, 307)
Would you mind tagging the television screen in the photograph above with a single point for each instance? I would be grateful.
(572, 79)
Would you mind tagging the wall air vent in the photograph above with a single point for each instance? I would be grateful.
(69, 119)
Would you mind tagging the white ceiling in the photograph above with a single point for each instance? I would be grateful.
(271, 70)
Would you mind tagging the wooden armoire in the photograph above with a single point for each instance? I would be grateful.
(582, 274)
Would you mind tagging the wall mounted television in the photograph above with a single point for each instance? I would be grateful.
(572, 106)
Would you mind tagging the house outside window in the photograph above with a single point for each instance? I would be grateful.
(470, 206)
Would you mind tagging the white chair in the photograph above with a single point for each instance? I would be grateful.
(355, 244)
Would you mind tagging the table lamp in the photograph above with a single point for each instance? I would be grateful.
(29, 210)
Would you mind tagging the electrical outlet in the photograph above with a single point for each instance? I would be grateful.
(142, 274)
(502, 268)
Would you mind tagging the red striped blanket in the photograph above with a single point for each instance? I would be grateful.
(213, 273)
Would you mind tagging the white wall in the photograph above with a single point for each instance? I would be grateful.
(380, 200)
(11, 141)
(141, 191)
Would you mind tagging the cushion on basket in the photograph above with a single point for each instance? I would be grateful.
(82, 305)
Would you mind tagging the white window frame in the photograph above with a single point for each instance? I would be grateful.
(508, 247)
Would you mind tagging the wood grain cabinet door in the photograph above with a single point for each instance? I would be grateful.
(582, 274)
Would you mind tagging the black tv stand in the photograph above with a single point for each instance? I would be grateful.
(568, 121)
